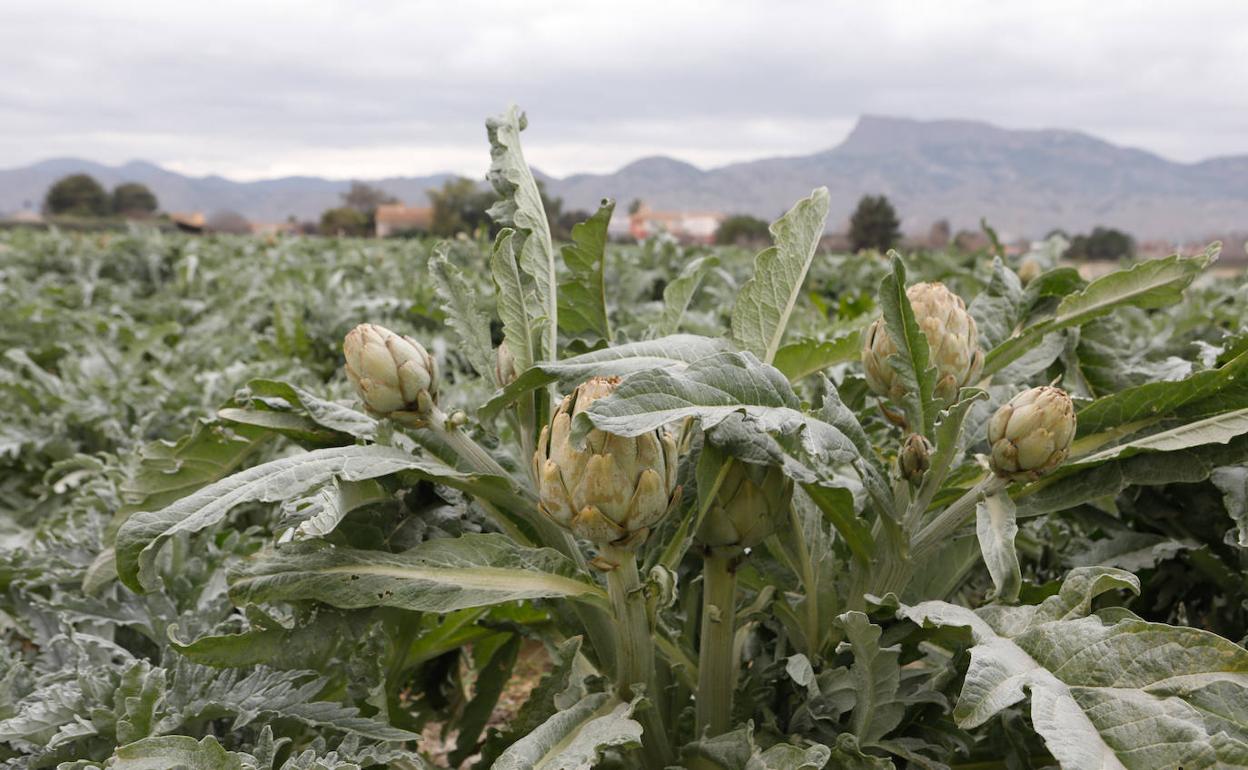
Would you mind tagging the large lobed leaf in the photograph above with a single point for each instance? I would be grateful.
(575, 738)
(766, 301)
(768, 426)
(436, 576)
(1130, 694)
(143, 533)
(521, 207)
(583, 296)
(674, 351)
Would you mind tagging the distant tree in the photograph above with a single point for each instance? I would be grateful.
(742, 229)
(1102, 243)
(939, 235)
(637, 204)
(77, 195)
(132, 198)
(345, 220)
(227, 221)
(365, 198)
(459, 207)
(874, 224)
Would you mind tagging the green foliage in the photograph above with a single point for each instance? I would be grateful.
(1102, 243)
(741, 230)
(131, 198)
(210, 556)
(77, 195)
(345, 220)
(874, 224)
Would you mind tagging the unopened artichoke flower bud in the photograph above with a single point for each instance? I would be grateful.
(1031, 435)
(952, 340)
(915, 457)
(612, 490)
(1029, 270)
(505, 365)
(751, 503)
(391, 372)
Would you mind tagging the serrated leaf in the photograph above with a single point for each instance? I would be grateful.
(1150, 284)
(521, 207)
(459, 301)
(575, 738)
(996, 527)
(678, 293)
(766, 301)
(912, 361)
(143, 533)
(877, 675)
(513, 300)
(998, 308)
(181, 752)
(674, 351)
(769, 426)
(436, 576)
(806, 357)
(1128, 694)
(583, 297)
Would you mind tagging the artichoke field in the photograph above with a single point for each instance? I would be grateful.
(314, 503)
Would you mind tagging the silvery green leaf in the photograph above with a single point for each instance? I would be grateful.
(143, 533)
(1149, 284)
(737, 750)
(675, 351)
(1218, 429)
(1130, 694)
(1232, 482)
(521, 207)
(806, 357)
(436, 576)
(768, 424)
(575, 738)
(512, 299)
(678, 293)
(998, 308)
(1129, 550)
(181, 752)
(912, 361)
(996, 527)
(876, 674)
(464, 314)
(583, 297)
(766, 301)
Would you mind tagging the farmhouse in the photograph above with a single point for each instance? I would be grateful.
(393, 218)
(686, 226)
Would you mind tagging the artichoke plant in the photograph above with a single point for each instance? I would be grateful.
(915, 457)
(952, 339)
(1031, 435)
(393, 373)
(612, 490)
(749, 505)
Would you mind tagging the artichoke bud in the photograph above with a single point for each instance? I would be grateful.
(1029, 270)
(952, 341)
(505, 366)
(612, 490)
(1031, 435)
(915, 457)
(749, 505)
(393, 373)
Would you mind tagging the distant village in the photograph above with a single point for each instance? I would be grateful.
(79, 202)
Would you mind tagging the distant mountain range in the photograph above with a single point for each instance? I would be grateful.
(1024, 182)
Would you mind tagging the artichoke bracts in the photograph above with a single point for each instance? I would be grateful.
(952, 340)
(394, 374)
(1031, 434)
(614, 489)
(915, 457)
(751, 503)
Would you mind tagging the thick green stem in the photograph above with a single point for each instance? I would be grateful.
(950, 520)
(634, 662)
(717, 666)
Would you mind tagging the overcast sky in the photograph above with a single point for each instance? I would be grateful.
(368, 89)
